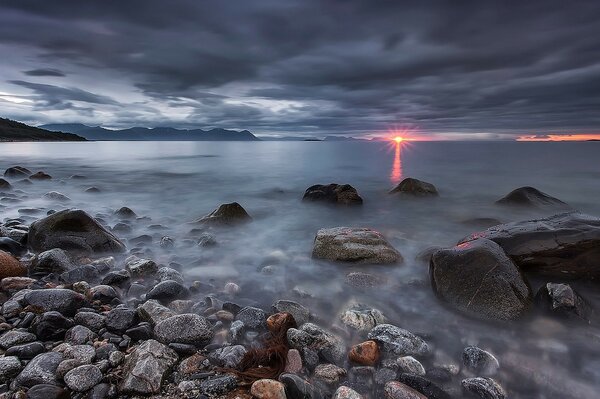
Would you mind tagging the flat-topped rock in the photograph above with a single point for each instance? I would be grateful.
(72, 230)
(341, 194)
(479, 279)
(416, 188)
(354, 245)
(531, 197)
(564, 245)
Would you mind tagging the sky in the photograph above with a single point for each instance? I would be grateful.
(431, 69)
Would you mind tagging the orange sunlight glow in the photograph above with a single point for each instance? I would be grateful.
(560, 137)
(398, 139)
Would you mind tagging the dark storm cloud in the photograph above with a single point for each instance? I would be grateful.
(350, 67)
(44, 72)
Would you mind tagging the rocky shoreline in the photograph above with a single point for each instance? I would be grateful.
(86, 316)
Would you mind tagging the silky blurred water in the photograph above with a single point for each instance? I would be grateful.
(169, 184)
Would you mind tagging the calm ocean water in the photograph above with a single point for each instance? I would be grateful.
(173, 183)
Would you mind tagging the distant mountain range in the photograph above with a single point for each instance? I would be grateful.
(17, 131)
(151, 134)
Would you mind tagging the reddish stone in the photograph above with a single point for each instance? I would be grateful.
(366, 353)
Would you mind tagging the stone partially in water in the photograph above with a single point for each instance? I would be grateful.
(74, 231)
(362, 317)
(4, 185)
(56, 196)
(477, 278)
(416, 188)
(17, 172)
(355, 245)
(563, 301)
(398, 341)
(480, 361)
(484, 388)
(531, 197)
(341, 194)
(566, 245)
(398, 390)
(226, 215)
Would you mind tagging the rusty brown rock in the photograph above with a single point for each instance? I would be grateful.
(365, 353)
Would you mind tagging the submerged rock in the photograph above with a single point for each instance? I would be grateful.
(226, 215)
(480, 361)
(563, 301)
(416, 188)
(483, 387)
(397, 341)
(530, 197)
(56, 196)
(125, 213)
(145, 368)
(564, 245)
(353, 244)
(40, 176)
(72, 230)
(17, 172)
(342, 194)
(4, 185)
(477, 278)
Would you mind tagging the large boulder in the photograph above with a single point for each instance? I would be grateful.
(186, 328)
(531, 197)
(10, 267)
(564, 245)
(226, 215)
(341, 194)
(146, 367)
(477, 278)
(416, 188)
(355, 245)
(72, 230)
(61, 300)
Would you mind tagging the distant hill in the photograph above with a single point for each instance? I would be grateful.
(17, 131)
(152, 134)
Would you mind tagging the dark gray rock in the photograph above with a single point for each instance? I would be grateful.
(397, 341)
(86, 273)
(26, 351)
(424, 386)
(146, 367)
(485, 388)
(415, 188)
(167, 291)
(563, 301)
(217, 386)
(40, 370)
(79, 335)
(341, 194)
(56, 197)
(11, 246)
(566, 245)
(298, 388)
(15, 337)
(138, 267)
(10, 367)
(154, 312)
(103, 293)
(83, 378)
(52, 261)
(141, 332)
(125, 213)
(119, 278)
(480, 361)
(120, 319)
(300, 312)
(51, 326)
(531, 197)
(184, 329)
(73, 231)
(398, 390)
(167, 273)
(328, 346)
(228, 356)
(226, 215)
(477, 278)
(47, 391)
(61, 300)
(254, 318)
(91, 320)
(17, 172)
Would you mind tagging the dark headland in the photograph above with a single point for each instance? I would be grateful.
(17, 131)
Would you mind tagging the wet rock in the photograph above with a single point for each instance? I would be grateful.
(485, 388)
(83, 378)
(10, 267)
(52, 261)
(477, 278)
(397, 341)
(424, 386)
(40, 176)
(103, 293)
(119, 278)
(566, 245)
(300, 313)
(120, 319)
(362, 317)
(563, 301)
(416, 188)
(26, 351)
(51, 326)
(145, 368)
(154, 312)
(410, 365)
(4, 185)
(480, 361)
(47, 391)
(355, 245)
(344, 392)
(398, 390)
(228, 356)
(215, 387)
(329, 373)
(167, 273)
(61, 300)
(365, 353)
(10, 367)
(298, 388)
(138, 267)
(341, 194)
(530, 197)
(226, 215)
(206, 241)
(73, 231)
(184, 329)
(329, 346)
(83, 273)
(252, 317)
(92, 190)
(122, 228)
(79, 335)
(141, 332)
(40, 370)
(167, 291)
(12, 247)
(268, 389)
(125, 213)
(166, 242)
(15, 337)
(56, 197)
(17, 172)
(91, 320)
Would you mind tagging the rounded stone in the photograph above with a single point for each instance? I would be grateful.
(268, 389)
(365, 353)
(184, 329)
(83, 378)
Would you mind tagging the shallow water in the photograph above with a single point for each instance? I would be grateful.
(173, 183)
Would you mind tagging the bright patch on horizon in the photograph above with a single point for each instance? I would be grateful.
(398, 139)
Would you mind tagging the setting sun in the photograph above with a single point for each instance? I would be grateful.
(398, 139)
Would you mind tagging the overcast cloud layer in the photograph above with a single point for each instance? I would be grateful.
(472, 69)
